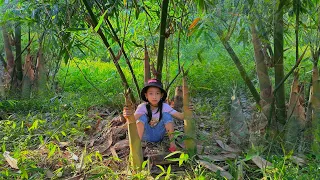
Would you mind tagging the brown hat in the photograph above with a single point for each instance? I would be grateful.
(153, 83)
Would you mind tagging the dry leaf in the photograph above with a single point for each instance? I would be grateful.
(114, 153)
(226, 147)
(298, 160)
(11, 161)
(260, 162)
(215, 168)
(221, 157)
(49, 173)
(194, 23)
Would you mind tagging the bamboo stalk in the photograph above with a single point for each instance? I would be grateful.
(147, 73)
(315, 103)
(239, 66)
(189, 123)
(164, 12)
(136, 156)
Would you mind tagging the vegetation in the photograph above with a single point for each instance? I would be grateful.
(67, 66)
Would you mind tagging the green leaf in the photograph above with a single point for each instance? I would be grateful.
(3, 147)
(144, 164)
(100, 21)
(201, 5)
(173, 153)
(168, 172)
(63, 133)
(159, 176)
(41, 139)
(52, 148)
(162, 169)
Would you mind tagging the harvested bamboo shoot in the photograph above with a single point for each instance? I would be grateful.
(136, 156)
(189, 123)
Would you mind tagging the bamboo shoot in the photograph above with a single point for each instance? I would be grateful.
(189, 123)
(136, 156)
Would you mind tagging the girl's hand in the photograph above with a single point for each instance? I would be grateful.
(191, 107)
(127, 112)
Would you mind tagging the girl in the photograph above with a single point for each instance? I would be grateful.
(154, 116)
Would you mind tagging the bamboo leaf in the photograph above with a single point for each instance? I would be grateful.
(100, 21)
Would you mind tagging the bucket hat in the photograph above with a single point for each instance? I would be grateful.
(153, 83)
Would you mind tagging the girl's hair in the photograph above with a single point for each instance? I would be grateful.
(160, 104)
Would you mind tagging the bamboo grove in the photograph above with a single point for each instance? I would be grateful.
(37, 37)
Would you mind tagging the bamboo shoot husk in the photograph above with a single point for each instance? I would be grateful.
(189, 123)
(28, 77)
(41, 73)
(296, 119)
(136, 156)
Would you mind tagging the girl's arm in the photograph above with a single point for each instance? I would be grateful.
(178, 115)
(137, 116)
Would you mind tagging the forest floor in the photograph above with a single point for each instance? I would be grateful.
(55, 140)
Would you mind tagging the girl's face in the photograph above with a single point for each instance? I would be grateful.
(153, 95)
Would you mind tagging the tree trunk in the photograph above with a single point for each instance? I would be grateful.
(164, 12)
(189, 123)
(9, 54)
(278, 64)
(240, 67)
(18, 52)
